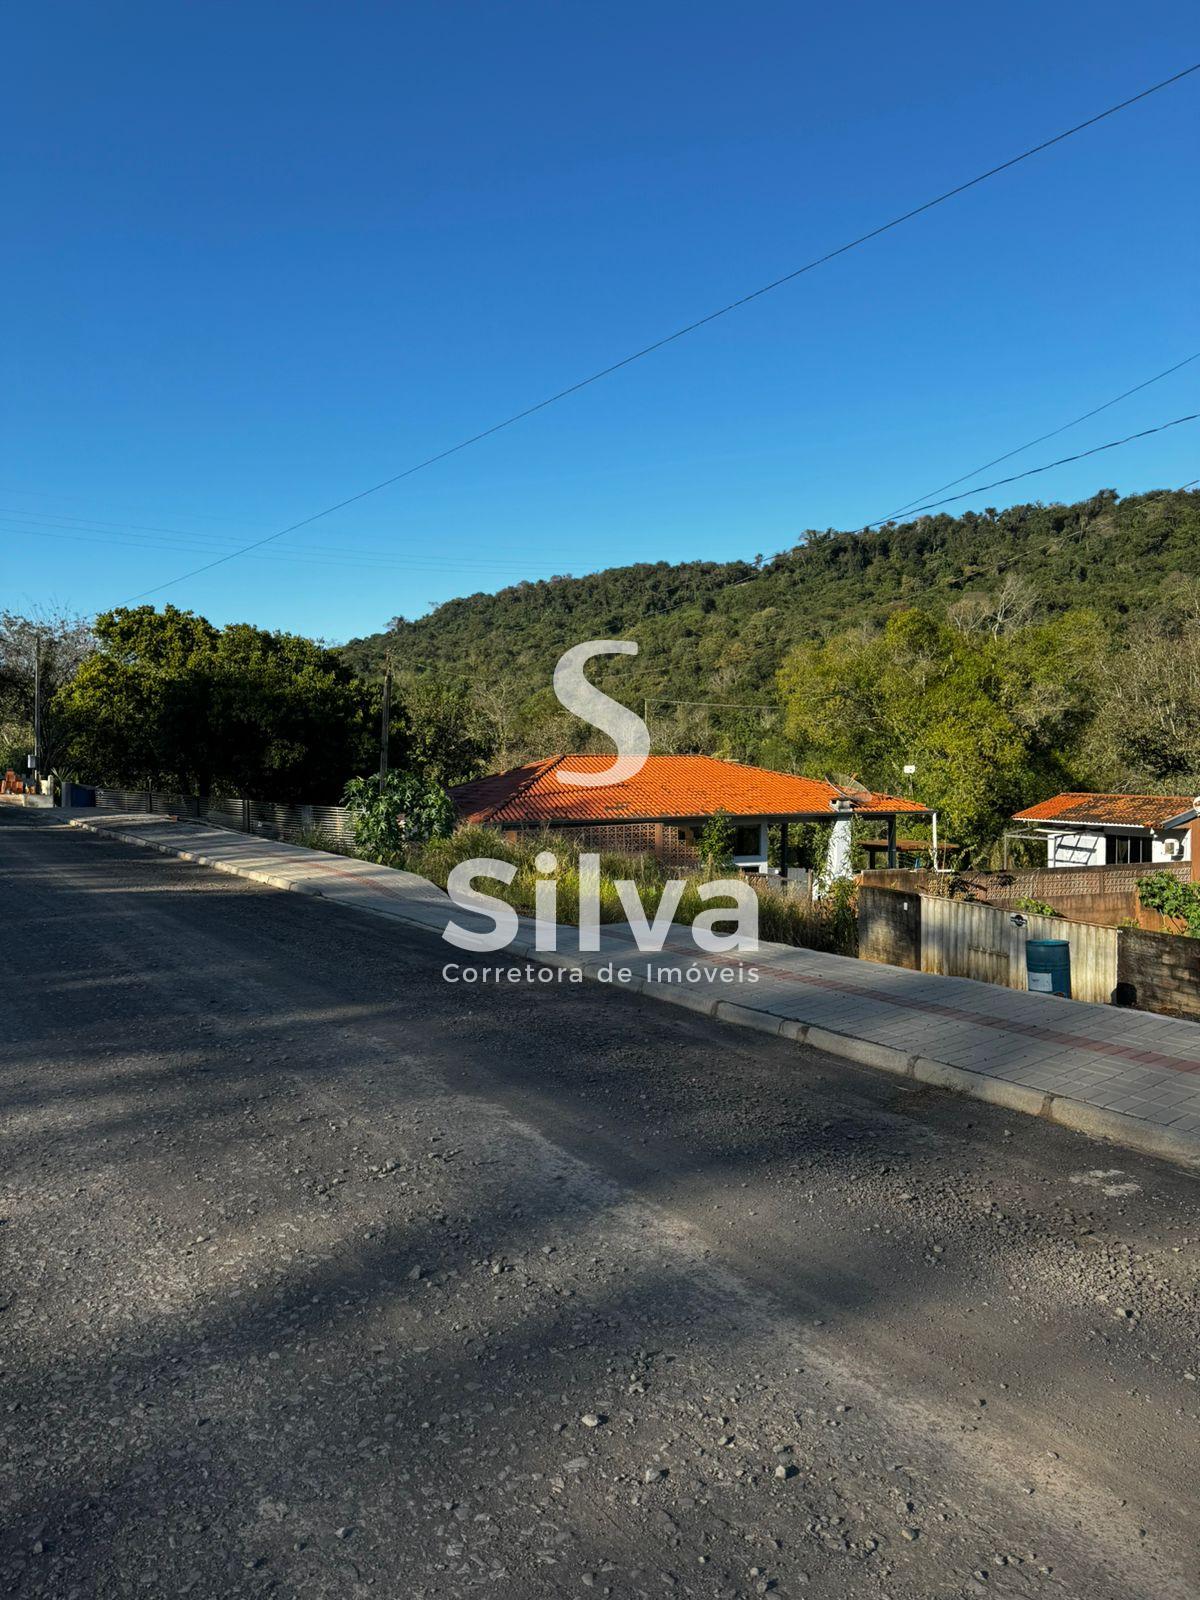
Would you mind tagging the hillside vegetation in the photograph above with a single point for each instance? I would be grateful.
(1002, 656)
(708, 626)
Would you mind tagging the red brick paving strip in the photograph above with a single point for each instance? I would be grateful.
(1031, 1030)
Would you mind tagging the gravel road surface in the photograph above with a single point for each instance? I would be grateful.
(322, 1277)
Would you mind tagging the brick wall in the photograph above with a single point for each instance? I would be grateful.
(1159, 972)
(889, 926)
(635, 839)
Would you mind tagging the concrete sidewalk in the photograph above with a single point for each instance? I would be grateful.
(1124, 1075)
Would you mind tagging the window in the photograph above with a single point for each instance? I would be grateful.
(1126, 849)
(746, 842)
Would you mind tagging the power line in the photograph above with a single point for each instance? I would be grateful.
(364, 564)
(680, 333)
(1061, 462)
(1041, 439)
(144, 535)
(131, 536)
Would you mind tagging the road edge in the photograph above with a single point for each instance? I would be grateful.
(1094, 1122)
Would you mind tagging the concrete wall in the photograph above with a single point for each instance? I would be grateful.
(1159, 972)
(889, 927)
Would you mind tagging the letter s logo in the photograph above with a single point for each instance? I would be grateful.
(624, 727)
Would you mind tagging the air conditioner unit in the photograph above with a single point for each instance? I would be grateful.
(1173, 849)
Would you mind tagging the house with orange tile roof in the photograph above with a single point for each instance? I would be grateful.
(663, 808)
(1097, 830)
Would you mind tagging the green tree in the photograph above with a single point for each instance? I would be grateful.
(39, 655)
(1146, 733)
(1164, 893)
(440, 728)
(716, 844)
(288, 716)
(168, 700)
(991, 719)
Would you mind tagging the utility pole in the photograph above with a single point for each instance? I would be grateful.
(37, 706)
(385, 719)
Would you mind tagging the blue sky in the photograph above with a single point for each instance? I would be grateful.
(260, 256)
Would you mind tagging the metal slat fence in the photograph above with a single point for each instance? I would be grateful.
(294, 824)
(962, 939)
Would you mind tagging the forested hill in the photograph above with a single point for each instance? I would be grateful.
(707, 626)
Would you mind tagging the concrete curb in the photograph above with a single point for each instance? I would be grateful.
(1093, 1121)
(1113, 1126)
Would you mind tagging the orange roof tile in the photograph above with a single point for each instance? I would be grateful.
(671, 788)
(1134, 810)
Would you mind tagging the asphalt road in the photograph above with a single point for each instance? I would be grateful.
(322, 1277)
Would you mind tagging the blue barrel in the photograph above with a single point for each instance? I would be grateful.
(1048, 966)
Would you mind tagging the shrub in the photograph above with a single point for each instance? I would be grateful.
(783, 919)
(321, 839)
(405, 809)
(1161, 892)
(1037, 908)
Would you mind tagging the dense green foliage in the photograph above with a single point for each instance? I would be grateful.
(707, 626)
(167, 700)
(1005, 654)
(406, 808)
(987, 719)
(1164, 893)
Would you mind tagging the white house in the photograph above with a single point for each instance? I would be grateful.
(1099, 830)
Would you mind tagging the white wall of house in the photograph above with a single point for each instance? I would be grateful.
(1086, 848)
(1180, 836)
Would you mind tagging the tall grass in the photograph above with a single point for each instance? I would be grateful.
(828, 925)
(320, 839)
